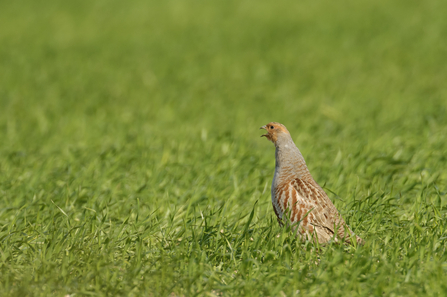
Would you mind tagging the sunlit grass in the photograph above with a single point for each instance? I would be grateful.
(131, 163)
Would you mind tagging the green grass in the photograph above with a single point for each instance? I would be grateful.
(131, 162)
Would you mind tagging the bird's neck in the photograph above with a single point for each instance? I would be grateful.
(289, 161)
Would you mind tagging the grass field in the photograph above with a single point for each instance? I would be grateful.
(131, 162)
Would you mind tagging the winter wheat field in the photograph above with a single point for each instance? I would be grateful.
(131, 162)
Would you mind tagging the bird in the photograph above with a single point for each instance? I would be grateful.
(297, 198)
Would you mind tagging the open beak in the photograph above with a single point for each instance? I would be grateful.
(265, 128)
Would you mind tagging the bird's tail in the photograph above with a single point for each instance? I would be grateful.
(350, 238)
(359, 240)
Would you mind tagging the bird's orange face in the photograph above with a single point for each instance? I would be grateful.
(273, 130)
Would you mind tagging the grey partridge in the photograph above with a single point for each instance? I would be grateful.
(298, 199)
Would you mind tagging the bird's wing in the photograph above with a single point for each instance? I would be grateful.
(314, 208)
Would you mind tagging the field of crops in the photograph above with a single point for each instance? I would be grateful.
(131, 162)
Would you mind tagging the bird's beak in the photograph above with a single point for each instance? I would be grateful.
(265, 128)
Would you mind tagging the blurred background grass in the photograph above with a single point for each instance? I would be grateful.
(157, 104)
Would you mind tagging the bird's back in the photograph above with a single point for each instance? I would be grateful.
(307, 207)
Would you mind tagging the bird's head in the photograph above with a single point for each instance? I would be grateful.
(275, 131)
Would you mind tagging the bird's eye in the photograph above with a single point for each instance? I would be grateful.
(271, 127)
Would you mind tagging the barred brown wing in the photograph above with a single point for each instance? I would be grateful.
(309, 207)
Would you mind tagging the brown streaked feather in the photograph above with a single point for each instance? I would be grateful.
(311, 210)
